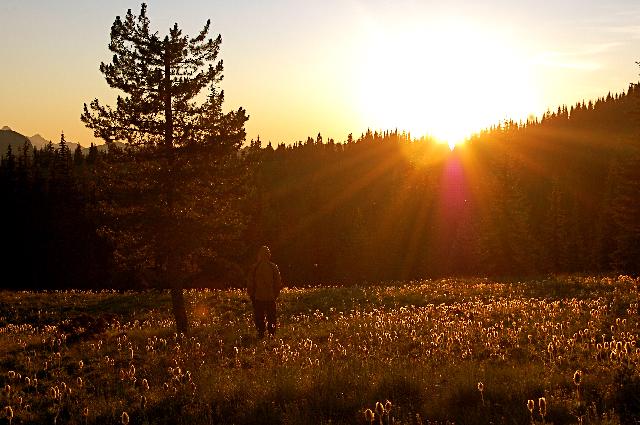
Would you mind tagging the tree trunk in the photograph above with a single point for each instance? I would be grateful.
(177, 297)
(179, 310)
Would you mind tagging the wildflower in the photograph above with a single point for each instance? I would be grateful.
(577, 377)
(531, 405)
(80, 364)
(387, 406)
(124, 419)
(379, 408)
(145, 384)
(11, 374)
(481, 389)
(368, 415)
(143, 402)
(542, 403)
(80, 383)
(85, 412)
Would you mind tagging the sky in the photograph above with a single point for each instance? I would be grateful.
(443, 68)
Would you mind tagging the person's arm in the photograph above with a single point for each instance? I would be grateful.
(277, 280)
(251, 282)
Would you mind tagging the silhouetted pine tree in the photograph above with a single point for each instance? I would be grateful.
(92, 155)
(186, 148)
(62, 165)
(9, 165)
(78, 156)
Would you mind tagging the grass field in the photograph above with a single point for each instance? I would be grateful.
(470, 351)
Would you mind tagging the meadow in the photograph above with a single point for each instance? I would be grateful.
(467, 351)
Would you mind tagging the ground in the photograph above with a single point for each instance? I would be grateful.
(467, 351)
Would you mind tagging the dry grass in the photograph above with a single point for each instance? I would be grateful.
(79, 357)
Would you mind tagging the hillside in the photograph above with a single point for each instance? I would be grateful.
(556, 195)
(13, 138)
(38, 141)
(551, 195)
(16, 140)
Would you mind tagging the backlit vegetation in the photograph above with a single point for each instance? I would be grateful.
(562, 350)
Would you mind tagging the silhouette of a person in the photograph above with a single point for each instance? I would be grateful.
(263, 286)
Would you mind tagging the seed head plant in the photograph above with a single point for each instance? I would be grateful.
(451, 338)
(368, 415)
(379, 408)
(531, 405)
(8, 411)
(542, 406)
(387, 410)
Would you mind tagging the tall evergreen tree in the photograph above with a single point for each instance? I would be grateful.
(9, 162)
(92, 155)
(62, 162)
(78, 156)
(188, 142)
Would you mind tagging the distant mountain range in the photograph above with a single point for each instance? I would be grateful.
(16, 140)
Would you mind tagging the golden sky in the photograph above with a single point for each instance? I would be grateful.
(335, 67)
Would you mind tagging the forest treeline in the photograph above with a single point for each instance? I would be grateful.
(554, 195)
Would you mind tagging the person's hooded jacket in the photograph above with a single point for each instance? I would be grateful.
(264, 281)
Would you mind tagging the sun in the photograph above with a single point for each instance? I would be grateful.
(446, 81)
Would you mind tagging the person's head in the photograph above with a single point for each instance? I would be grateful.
(264, 253)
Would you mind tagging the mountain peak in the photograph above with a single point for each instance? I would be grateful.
(38, 141)
(6, 128)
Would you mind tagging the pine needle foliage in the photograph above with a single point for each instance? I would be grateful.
(170, 196)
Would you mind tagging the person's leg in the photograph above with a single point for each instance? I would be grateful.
(271, 317)
(258, 317)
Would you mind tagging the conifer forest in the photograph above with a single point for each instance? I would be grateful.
(178, 271)
(558, 195)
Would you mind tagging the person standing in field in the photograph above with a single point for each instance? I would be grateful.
(263, 286)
